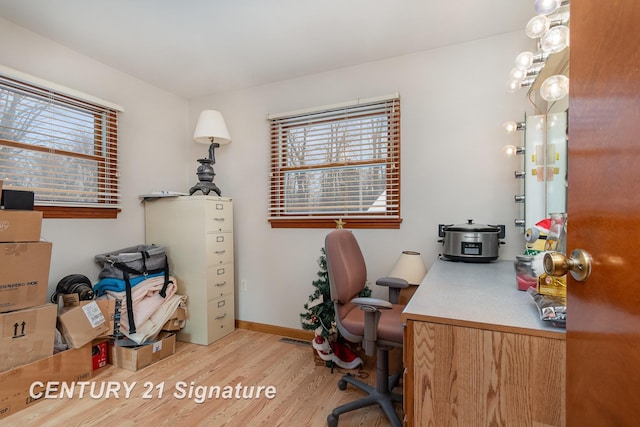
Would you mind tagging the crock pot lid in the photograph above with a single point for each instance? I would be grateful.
(470, 226)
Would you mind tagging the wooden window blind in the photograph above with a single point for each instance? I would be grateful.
(62, 147)
(340, 162)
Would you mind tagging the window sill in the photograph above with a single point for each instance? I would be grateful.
(78, 213)
(391, 223)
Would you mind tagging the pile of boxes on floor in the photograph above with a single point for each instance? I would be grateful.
(30, 328)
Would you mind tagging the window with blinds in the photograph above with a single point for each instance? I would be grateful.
(61, 147)
(337, 163)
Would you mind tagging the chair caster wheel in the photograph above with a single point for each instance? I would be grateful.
(332, 420)
(342, 385)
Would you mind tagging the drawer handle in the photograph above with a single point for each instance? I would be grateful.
(221, 284)
(221, 317)
(219, 252)
(218, 219)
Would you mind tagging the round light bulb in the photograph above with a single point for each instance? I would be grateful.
(510, 126)
(524, 60)
(554, 88)
(555, 40)
(537, 26)
(547, 7)
(509, 150)
(518, 73)
(513, 85)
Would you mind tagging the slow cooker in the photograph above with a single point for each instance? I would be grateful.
(471, 242)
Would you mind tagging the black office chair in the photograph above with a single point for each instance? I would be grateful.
(373, 322)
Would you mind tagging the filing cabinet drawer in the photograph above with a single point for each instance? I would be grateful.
(219, 248)
(219, 216)
(221, 317)
(219, 281)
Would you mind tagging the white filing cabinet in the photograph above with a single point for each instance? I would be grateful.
(197, 232)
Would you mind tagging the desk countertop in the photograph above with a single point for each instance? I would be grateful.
(479, 295)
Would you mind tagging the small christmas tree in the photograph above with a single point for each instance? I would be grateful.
(320, 318)
(319, 315)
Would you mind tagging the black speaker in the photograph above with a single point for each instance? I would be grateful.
(17, 199)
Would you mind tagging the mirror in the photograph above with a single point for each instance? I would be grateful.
(546, 72)
(545, 166)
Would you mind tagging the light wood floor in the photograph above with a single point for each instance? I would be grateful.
(305, 393)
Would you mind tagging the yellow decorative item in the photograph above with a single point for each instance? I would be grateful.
(553, 286)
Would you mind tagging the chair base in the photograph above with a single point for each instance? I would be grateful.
(381, 395)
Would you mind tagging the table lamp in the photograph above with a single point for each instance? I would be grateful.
(409, 267)
(210, 129)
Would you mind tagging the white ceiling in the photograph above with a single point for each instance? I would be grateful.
(200, 47)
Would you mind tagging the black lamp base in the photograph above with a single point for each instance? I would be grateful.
(205, 176)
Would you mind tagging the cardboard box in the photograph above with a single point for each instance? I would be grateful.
(79, 325)
(68, 366)
(24, 276)
(20, 226)
(99, 353)
(27, 335)
(177, 320)
(135, 358)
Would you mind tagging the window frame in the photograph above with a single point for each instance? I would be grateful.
(390, 219)
(105, 144)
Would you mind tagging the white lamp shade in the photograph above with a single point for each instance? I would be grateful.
(409, 267)
(211, 128)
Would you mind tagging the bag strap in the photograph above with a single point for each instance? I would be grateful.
(127, 288)
(163, 291)
(165, 269)
(126, 270)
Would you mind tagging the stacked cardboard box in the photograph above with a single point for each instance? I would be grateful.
(27, 322)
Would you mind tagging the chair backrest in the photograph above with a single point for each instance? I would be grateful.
(345, 266)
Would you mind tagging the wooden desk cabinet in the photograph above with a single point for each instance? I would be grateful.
(477, 354)
(197, 232)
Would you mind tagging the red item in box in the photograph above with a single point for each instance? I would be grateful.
(99, 355)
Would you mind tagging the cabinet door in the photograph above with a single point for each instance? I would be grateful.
(219, 248)
(219, 280)
(219, 216)
(474, 377)
(221, 317)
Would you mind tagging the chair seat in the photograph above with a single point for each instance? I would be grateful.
(389, 328)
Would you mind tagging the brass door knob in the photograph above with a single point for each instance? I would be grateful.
(578, 264)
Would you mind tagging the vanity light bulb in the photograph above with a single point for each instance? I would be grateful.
(555, 40)
(510, 126)
(537, 26)
(547, 7)
(518, 73)
(509, 150)
(524, 60)
(513, 85)
(554, 88)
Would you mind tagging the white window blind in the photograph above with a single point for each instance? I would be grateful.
(335, 162)
(62, 147)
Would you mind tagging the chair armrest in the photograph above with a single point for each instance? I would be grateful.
(371, 308)
(394, 284)
(371, 304)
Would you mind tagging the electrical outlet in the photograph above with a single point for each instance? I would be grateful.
(243, 285)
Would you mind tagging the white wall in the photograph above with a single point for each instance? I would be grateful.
(154, 146)
(454, 101)
(453, 104)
